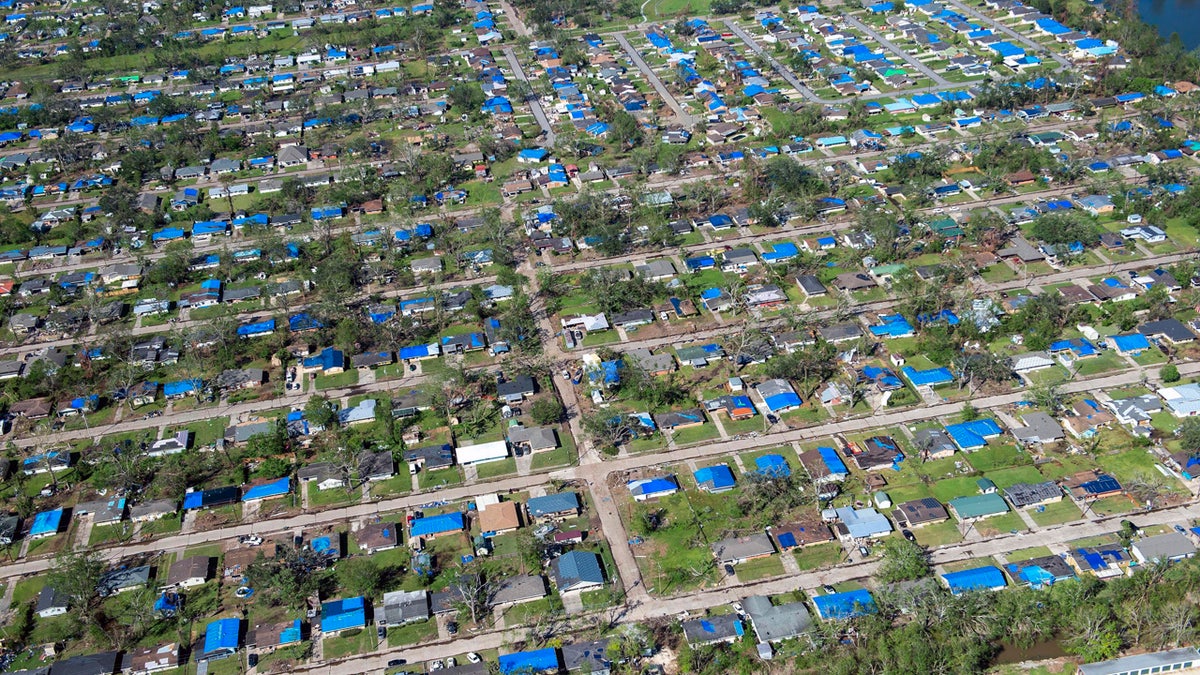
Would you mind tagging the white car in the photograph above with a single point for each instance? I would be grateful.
(474, 658)
(450, 662)
(436, 665)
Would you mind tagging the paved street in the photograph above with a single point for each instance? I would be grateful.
(686, 119)
(535, 104)
(898, 51)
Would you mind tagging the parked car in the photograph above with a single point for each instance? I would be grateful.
(474, 658)
(829, 589)
(908, 535)
(395, 662)
(864, 551)
(452, 627)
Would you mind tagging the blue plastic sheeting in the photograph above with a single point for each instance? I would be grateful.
(988, 577)
(844, 605)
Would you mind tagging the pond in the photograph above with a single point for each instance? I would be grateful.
(1038, 651)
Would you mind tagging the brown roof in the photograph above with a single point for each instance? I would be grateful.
(920, 512)
(268, 634)
(32, 407)
(155, 658)
(499, 517)
(189, 568)
(1076, 294)
(375, 536)
(807, 530)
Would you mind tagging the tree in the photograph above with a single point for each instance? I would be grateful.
(360, 576)
(290, 577)
(476, 585)
(321, 412)
(77, 575)
(1047, 396)
(547, 411)
(1169, 373)
(903, 560)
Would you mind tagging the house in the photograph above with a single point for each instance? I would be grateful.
(10, 526)
(102, 511)
(717, 629)
(330, 361)
(377, 536)
(430, 527)
(375, 465)
(555, 506)
(1169, 547)
(1039, 428)
(1091, 485)
(918, 512)
(778, 395)
(343, 614)
(1183, 400)
(652, 488)
(586, 657)
(846, 605)
(577, 571)
(823, 465)
(205, 499)
(934, 444)
(429, 457)
(1040, 572)
(1031, 361)
(1171, 330)
(266, 638)
(862, 523)
(520, 588)
(533, 439)
(51, 602)
(123, 579)
(736, 550)
(986, 578)
(88, 664)
(1184, 658)
(267, 489)
(1104, 560)
(154, 659)
(325, 475)
(800, 533)
(402, 607)
(191, 571)
(481, 452)
(46, 524)
(775, 623)
(811, 286)
(526, 663)
(1022, 495)
(515, 390)
(499, 518)
(151, 511)
(715, 479)
(976, 507)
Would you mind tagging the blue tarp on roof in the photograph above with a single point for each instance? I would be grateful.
(783, 401)
(929, 377)
(259, 328)
(983, 578)
(1133, 342)
(1080, 347)
(772, 466)
(1102, 484)
(276, 488)
(303, 321)
(342, 614)
(973, 434)
(180, 388)
(523, 663)
(714, 478)
(832, 461)
(439, 524)
(46, 522)
(844, 605)
(892, 325)
(222, 635)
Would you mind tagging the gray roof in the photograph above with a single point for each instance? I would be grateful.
(736, 549)
(102, 510)
(521, 588)
(1169, 546)
(933, 441)
(774, 387)
(50, 598)
(1039, 428)
(589, 657)
(1172, 329)
(1027, 494)
(711, 629)
(537, 438)
(577, 568)
(811, 285)
(375, 465)
(652, 269)
(1143, 662)
(841, 331)
(122, 578)
(156, 507)
(400, 607)
(519, 385)
(776, 622)
(652, 363)
(551, 504)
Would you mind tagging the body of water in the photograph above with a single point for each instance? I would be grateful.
(1173, 16)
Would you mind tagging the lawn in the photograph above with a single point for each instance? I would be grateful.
(1114, 505)
(697, 434)
(336, 496)
(349, 643)
(997, 457)
(412, 633)
(1127, 465)
(818, 555)
(1056, 513)
(558, 457)
(1027, 554)
(527, 612)
(396, 485)
(1106, 362)
(168, 524)
(496, 469)
(341, 380)
(938, 534)
(946, 489)
(205, 432)
(1004, 478)
(760, 568)
(430, 479)
(1009, 522)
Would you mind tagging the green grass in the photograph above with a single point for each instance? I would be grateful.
(1130, 464)
(818, 555)
(411, 634)
(557, 457)
(938, 534)
(705, 432)
(341, 380)
(496, 469)
(167, 525)
(1002, 524)
(946, 489)
(337, 646)
(1056, 513)
(1104, 363)
(396, 485)
(1027, 554)
(760, 568)
(204, 432)
(336, 496)
(430, 479)
(527, 612)
(1004, 478)
(997, 457)
(1114, 505)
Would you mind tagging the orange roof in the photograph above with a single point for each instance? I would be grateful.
(499, 517)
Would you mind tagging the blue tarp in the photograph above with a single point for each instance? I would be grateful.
(929, 377)
(524, 663)
(342, 614)
(276, 488)
(46, 522)
(222, 635)
(1133, 342)
(714, 478)
(832, 461)
(844, 605)
(973, 434)
(439, 524)
(988, 577)
(772, 466)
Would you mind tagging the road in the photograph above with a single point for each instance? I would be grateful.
(1020, 37)
(535, 103)
(902, 53)
(686, 119)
